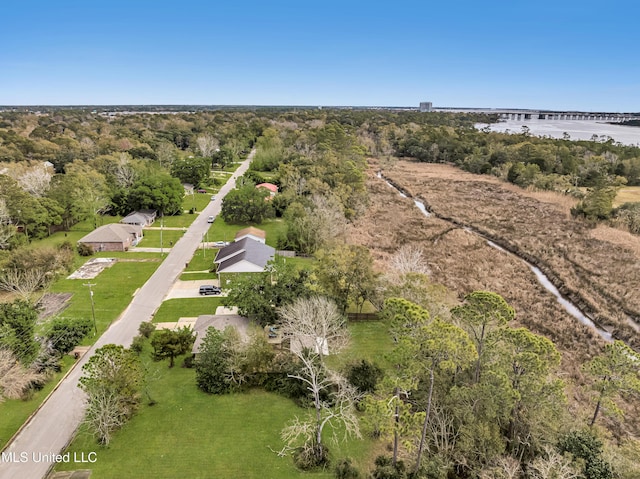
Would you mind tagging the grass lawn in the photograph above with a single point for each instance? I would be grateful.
(14, 412)
(152, 238)
(202, 260)
(172, 309)
(176, 221)
(112, 289)
(192, 434)
(630, 194)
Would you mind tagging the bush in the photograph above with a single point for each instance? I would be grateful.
(65, 333)
(137, 345)
(311, 456)
(146, 329)
(84, 249)
(188, 362)
(344, 470)
(364, 376)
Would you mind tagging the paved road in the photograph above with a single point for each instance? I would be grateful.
(52, 427)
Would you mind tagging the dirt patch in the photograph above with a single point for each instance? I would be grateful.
(53, 303)
(92, 268)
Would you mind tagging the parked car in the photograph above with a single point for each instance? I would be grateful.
(213, 197)
(210, 219)
(207, 290)
(201, 190)
(220, 244)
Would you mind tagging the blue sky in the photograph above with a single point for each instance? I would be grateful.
(543, 54)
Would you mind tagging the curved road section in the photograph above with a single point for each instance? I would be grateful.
(32, 452)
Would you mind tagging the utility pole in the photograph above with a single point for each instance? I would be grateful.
(93, 309)
(161, 225)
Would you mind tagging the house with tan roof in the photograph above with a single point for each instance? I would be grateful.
(253, 233)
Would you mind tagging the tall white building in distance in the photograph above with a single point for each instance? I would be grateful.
(426, 106)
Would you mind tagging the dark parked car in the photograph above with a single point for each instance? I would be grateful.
(208, 289)
(202, 190)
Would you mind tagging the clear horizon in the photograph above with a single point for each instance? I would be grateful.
(552, 55)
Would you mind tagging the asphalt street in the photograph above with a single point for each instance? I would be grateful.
(51, 429)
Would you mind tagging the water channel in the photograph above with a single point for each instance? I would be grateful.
(568, 306)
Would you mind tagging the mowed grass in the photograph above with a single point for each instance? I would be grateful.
(113, 290)
(151, 238)
(173, 309)
(192, 434)
(629, 194)
(14, 412)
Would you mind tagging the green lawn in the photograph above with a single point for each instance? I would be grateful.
(172, 309)
(192, 434)
(202, 260)
(14, 413)
(177, 221)
(112, 289)
(152, 238)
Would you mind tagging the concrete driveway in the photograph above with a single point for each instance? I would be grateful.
(190, 289)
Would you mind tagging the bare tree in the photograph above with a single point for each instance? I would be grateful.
(314, 323)
(36, 180)
(166, 154)
(409, 259)
(7, 228)
(24, 282)
(14, 378)
(207, 145)
(505, 467)
(315, 327)
(104, 415)
(124, 172)
(552, 465)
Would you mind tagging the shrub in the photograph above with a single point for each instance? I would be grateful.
(66, 333)
(345, 470)
(311, 456)
(364, 375)
(146, 329)
(84, 249)
(188, 362)
(137, 345)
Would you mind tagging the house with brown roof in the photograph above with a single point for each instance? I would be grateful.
(253, 233)
(113, 237)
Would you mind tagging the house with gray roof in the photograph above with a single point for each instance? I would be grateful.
(140, 218)
(113, 237)
(244, 256)
(219, 322)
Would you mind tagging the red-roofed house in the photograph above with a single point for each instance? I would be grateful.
(273, 189)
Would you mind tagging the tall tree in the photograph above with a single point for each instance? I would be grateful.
(316, 327)
(616, 371)
(169, 343)
(112, 379)
(482, 313)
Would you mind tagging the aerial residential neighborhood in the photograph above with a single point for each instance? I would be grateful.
(319, 240)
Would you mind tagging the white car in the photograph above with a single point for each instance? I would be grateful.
(220, 244)
(210, 219)
(213, 197)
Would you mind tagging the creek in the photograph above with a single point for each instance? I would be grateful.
(543, 279)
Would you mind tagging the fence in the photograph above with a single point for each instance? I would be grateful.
(362, 316)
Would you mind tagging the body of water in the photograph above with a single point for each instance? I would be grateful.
(576, 129)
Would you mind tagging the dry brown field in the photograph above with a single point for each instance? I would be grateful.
(598, 273)
(629, 194)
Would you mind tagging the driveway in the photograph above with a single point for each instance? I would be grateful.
(190, 289)
(52, 427)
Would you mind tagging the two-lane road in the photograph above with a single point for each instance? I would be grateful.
(52, 427)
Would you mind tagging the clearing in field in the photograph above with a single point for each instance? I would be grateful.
(92, 268)
(630, 194)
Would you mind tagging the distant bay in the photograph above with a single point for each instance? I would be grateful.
(576, 129)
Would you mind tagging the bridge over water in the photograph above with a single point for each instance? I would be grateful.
(525, 114)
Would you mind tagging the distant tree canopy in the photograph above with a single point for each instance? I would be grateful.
(191, 170)
(160, 192)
